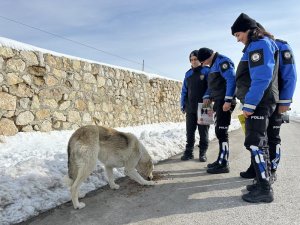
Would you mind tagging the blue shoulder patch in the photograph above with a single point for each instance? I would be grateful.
(287, 57)
(224, 66)
(256, 57)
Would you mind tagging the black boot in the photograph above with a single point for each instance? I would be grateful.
(216, 163)
(219, 168)
(251, 187)
(202, 155)
(262, 193)
(249, 173)
(210, 165)
(187, 155)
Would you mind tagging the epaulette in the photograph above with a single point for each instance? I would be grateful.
(188, 70)
(282, 41)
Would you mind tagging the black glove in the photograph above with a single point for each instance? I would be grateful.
(285, 118)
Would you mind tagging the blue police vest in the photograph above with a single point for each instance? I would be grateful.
(287, 75)
(257, 74)
(221, 78)
(193, 89)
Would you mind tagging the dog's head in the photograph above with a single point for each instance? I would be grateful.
(145, 168)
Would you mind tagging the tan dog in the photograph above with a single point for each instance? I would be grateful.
(113, 149)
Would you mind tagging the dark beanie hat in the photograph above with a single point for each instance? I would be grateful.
(204, 54)
(243, 23)
(193, 53)
(260, 26)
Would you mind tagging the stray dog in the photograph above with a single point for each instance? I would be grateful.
(113, 149)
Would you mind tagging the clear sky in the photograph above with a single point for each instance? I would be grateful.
(162, 33)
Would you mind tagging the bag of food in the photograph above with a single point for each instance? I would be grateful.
(205, 114)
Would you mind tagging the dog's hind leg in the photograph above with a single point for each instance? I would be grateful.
(83, 173)
(75, 189)
(133, 174)
(110, 177)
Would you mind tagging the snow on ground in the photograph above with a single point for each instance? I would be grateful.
(32, 166)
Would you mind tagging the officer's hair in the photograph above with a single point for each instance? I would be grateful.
(259, 33)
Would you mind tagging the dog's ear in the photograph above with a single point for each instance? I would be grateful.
(144, 168)
(140, 167)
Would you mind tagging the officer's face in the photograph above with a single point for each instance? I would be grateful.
(242, 37)
(194, 61)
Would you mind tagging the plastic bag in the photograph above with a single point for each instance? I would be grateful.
(242, 120)
(205, 114)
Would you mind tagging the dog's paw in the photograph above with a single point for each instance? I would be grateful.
(79, 206)
(114, 186)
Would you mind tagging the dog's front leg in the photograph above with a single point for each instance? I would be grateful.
(110, 177)
(133, 174)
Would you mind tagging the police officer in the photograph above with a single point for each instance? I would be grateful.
(193, 89)
(221, 87)
(257, 89)
(287, 77)
(286, 83)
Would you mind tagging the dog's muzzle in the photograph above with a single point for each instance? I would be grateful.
(150, 177)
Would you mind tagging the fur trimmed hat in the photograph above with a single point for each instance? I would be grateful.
(204, 54)
(243, 23)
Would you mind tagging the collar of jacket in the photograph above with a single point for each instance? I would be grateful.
(246, 46)
(214, 59)
(197, 68)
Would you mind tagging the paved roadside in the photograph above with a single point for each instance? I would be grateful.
(185, 194)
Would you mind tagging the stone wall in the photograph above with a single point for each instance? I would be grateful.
(43, 92)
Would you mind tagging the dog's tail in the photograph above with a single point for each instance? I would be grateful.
(68, 178)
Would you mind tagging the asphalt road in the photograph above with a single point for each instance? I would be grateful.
(185, 194)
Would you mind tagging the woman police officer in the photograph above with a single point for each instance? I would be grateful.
(257, 89)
